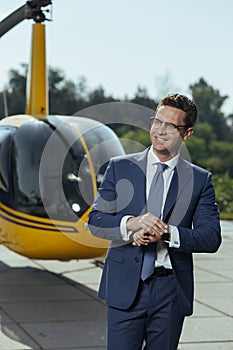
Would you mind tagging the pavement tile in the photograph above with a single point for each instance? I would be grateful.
(203, 276)
(86, 348)
(207, 346)
(214, 290)
(209, 329)
(12, 259)
(201, 310)
(227, 227)
(12, 337)
(90, 278)
(224, 305)
(78, 348)
(62, 267)
(56, 311)
(28, 276)
(5, 318)
(68, 334)
(40, 293)
(221, 268)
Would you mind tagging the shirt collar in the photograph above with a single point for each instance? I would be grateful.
(153, 159)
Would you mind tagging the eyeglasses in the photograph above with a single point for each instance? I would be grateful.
(170, 128)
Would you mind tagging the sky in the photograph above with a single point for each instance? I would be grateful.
(163, 46)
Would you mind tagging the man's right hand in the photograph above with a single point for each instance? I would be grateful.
(149, 223)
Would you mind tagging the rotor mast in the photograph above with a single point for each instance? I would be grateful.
(37, 87)
(37, 90)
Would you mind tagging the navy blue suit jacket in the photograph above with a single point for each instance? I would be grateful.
(190, 205)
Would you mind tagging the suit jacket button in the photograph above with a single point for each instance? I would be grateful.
(136, 259)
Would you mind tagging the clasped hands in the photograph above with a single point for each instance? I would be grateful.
(146, 228)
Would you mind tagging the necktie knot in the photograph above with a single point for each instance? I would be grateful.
(161, 167)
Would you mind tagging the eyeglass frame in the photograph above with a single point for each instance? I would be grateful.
(176, 126)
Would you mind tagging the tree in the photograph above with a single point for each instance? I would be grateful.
(135, 140)
(142, 98)
(221, 161)
(199, 144)
(16, 91)
(65, 96)
(209, 102)
(62, 93)
(197, 149)
(98, 95)
(205, 131)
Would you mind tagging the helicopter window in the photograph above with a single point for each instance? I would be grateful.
(5, 145)
(28, 145)
(59, 187)
(103, 145)
(77, 180)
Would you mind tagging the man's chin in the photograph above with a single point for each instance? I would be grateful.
(161, 150)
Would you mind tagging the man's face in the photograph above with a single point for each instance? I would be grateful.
(166, 144)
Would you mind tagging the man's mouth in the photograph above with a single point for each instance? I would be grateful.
(162, 139)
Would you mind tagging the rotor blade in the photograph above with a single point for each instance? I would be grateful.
(13, 19)
(31, 10)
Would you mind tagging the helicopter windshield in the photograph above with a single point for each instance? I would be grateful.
(48, 189)
(59, 181)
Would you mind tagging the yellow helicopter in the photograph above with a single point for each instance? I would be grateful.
(50, 165)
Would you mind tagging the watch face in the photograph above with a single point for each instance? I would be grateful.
(166, 236)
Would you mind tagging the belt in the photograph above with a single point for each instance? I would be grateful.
(160, 271)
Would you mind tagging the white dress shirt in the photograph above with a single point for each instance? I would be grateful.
(162, 258)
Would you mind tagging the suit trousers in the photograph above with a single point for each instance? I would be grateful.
(153, 322)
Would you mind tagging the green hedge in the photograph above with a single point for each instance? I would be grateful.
(224, 195)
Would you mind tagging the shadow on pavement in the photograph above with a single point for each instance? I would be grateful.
(43, 310)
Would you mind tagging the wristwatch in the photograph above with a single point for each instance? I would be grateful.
(166, 237)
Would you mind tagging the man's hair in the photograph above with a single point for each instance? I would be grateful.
(181, 102)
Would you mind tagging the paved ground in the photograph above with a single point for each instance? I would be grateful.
(52, 305)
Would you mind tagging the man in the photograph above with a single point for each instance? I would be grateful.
(147, 280)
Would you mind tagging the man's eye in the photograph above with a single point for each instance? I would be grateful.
(171, 126)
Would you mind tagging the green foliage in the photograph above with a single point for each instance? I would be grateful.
(197, 149)
(204, 130)
(222, 160)
(210, 102)
(142, 98)
(224, 192)
(135, 140)
(15, 91)
(66, 97)
(62, 93)
(206, 151)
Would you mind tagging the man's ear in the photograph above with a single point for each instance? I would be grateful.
(188, 133)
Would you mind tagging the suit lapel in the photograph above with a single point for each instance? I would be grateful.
(180, 193)
(171, 197)
(138, 173)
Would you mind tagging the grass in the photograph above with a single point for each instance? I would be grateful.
(226, 216)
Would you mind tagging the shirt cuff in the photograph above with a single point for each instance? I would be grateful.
(124, 233)
(175, 237)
